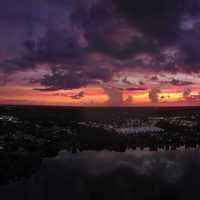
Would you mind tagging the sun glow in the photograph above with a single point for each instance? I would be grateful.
(94, 96)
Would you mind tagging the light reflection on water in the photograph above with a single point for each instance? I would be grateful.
(111, 175)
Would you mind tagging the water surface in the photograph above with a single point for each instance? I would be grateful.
(111, 175)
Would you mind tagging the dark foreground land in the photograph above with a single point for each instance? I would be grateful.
(29, 134)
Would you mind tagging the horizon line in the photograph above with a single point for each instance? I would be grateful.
(77, 107)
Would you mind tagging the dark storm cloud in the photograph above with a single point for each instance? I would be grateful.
(103, 74)
(190, 43)
(102, 43)
(169, 23)
(159, 19)
(56, 46)
(141, 83)
(19, 21)
(154, 78)
(78, 96)
(98, 26)
(58, 81)
(173, 81)
(180, 83)
(71, 79)
(135, 89)
(154, 35)
(126, 81)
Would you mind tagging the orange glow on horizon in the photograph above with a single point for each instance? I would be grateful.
(93, 96)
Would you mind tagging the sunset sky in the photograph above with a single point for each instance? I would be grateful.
(100, 52)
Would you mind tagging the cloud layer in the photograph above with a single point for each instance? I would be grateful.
(83, 42)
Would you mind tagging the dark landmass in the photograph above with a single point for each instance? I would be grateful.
(30, 133)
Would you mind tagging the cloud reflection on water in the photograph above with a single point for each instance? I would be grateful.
(110, 175)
